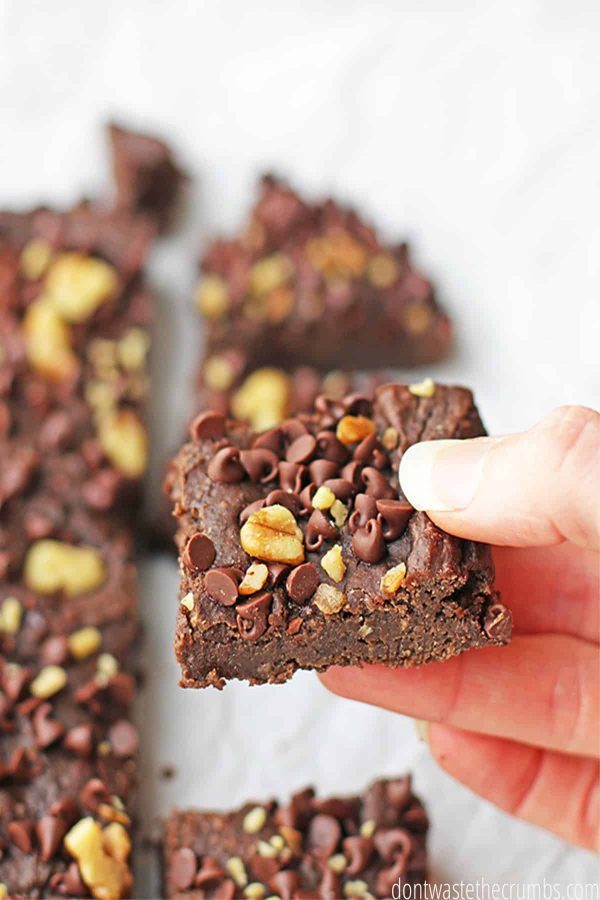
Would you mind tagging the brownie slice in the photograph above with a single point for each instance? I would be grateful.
(147, 178)
(298, 549)
(312, 847)
(313, 284)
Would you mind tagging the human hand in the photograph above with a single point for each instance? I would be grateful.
(519, 724)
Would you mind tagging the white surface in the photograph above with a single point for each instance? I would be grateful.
(474, 131)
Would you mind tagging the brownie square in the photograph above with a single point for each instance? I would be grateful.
(312, 847)
(311, 284)
(298, 549)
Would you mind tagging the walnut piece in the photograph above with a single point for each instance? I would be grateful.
(392, 579)
(124, 441)
(52, 566)
(49, 681)
(84, 641)
(254, 579)
(353, 429)
(211, 297)
(272, 534)
(329, 600)
(263, 399)
(48, 341)
(333, 563)
(425, 388)
(101, 858)
(78, 284)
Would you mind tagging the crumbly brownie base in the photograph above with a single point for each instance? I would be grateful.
(323, 847)
(443, 604)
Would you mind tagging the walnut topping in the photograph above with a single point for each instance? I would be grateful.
(254, 579)
(288, 836)
(337, 863)
(425, 388)
(11, 613)
(263, 400)
(356, 888)
(254, 820)
(392, 579)
(272, 534)
(390, 438)
(324, 498)
(339, 512)
(368, 828)
(263, 848)
(124, 441)
(49, 681)
(269, 273)
(237, 870)
(84, 642)
(329, 600)
(382, 270)
(106, 667)
(333, 563)
(188, 601)
(132, 349)
(417, 318)
(254, 891)
(52, 566)
(211, 297)
(48, 341)
(35, 258)
(218, 373)
(3, 892)
(353, 429)
(101, 857)
(78, 284)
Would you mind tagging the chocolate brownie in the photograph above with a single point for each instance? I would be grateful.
(147, 178)
(298, 549)
(312, 284)
(74, 338)
(312, 847)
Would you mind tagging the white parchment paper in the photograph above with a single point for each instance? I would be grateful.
(470, 128)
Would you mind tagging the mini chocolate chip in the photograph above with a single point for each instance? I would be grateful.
(341, 487)
(277, 572)
(324, 834)
(66, 809)
(331, 448)
(393, 842)
(302, 582)
(368, 543)
(46, 730)
(251, 508)
(260, 464)
(364, 451)
(55, 651)
(398, 792)
(222, 585)
(388, 879)
(73, 882)
(306, 497)
(252, 617)
(318, 529)
(302, 449)
(50, 832)
(291, 476)
(497, 623)
(293, 429)
(124, 738)
(377, 486)
(263, 867)
(330, 887)
(358, 851)
(21, 834)
(394, 517)
(329, 407)
(294, 626)
(208, 425)
(225, 466)
(209, 871)
(14, 681)
(93, 793)
(285, 884)
(122, 688)
(183, 868)
(101, 491)
(365, 508)
(357, 405)
(56, 431)
(199, 552)
(352, 472)
(285, 498)
(270, 440)
(321, 470)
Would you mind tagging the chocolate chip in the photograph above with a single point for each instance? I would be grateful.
(291, 476)
(368, 543)
(357, 405)
(302, 582)
(318, 529)
(270, 440)
(321, 470)
(209, 425)
(209, 871)
(394, 517)
(277, 571)
(222, 585)
(393, 842)
(21, 835)
(46, 730)
(363, 452)
(252, 617)
(55, 651)
(56, 431)
(497, 623)
(260, 464)
(199, 552)
(50, 831)
(388, 879)
(284, 498)
(251, 508)
(302, 449)
(330, 887)
(351, 472)
(331, 448)
(377, 486)
(123, 738)
(285, 884)
(65, 809)
(358, 851)
(263, 867)
(183, 868)
(324, 834)
(341, 487)
(292, 429)
(93, 793)
(306, 497)
(225, 466)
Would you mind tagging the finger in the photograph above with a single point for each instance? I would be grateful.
(531, 489)
(557, 792)
(540, 690)
(550, 590)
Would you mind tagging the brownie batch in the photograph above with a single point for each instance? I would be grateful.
(75, 319)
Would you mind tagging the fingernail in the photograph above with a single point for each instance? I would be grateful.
(422, 729)
(442, 476)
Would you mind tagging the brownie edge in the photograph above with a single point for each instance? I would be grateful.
(299, 550)
(312, 847)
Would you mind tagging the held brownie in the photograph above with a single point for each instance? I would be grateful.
(298, 549)
(312, 284)
(347, 847)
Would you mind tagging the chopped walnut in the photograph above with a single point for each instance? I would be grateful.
(272, 534)
(254, 579)
(392, 579)
(353, 429)
(263, 399)
(124, 440)
(78, 284)
(52, 566)
(333, 563)
(425, 388)
(104, 872)
(329, 600)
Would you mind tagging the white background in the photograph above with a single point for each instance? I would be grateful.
(473, 129)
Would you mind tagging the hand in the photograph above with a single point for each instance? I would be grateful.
(520, 724)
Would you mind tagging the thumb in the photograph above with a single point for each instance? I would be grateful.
(530, 489)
